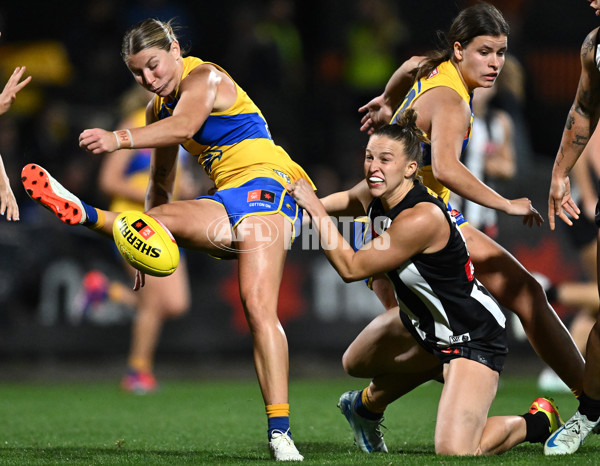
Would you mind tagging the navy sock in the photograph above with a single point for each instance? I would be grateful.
(90, 212)
(279, 423)
(362, 410)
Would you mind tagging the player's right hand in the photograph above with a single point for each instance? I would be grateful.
(560, 202)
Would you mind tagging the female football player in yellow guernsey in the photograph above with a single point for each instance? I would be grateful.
(439, 86)
(198, 105)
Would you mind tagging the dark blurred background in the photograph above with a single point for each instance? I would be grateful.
(309, 65)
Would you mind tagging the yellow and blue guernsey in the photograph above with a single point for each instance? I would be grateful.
(234, 146)
(444, 75)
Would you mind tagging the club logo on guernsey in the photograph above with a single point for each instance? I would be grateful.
(209, 158)
(143, 229)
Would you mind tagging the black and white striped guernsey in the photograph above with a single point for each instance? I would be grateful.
(438, 292)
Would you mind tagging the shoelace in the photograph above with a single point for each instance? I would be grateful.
(571, 433)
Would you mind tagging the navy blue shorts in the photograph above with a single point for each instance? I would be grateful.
(260, 196)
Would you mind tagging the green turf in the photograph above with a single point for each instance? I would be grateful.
(201, 422)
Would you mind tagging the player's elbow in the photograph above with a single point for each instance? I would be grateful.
(442, 173)
(349, 275)
(184, 128)
(185, 133)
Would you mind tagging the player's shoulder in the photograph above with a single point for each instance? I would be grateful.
(589, 43)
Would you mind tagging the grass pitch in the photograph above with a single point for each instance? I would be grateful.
(223, 422)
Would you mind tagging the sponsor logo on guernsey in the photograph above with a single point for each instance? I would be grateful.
(261, 195)
(135, 241)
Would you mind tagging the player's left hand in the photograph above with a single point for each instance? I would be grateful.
(98, 141)
(595, 4)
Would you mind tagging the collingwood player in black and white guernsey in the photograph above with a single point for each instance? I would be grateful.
(443, 305)
(457, 328)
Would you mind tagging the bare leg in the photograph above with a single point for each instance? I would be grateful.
(159, 300)
(260, 272)
(469, 389)
(501, 433)
(389, 355)
(591, 384)
(580, 329)
(518, 291)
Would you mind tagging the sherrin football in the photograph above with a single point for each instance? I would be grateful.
(146, 243)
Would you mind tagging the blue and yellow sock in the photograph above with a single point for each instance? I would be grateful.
(95, 218)
(364, 407)
(278, 418)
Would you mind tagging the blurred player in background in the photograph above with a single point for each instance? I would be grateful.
(457, 330)
(8, 203)
(124, 178)
(440, 88)
(199, 106)
(580, 136)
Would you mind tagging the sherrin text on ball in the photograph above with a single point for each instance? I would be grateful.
(145, 243)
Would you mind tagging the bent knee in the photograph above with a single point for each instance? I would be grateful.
(356, 366)
(348, 363)
(452, 448)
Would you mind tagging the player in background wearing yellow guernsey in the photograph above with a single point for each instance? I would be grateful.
(439, 86)
(250, 217)
(124, 177)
